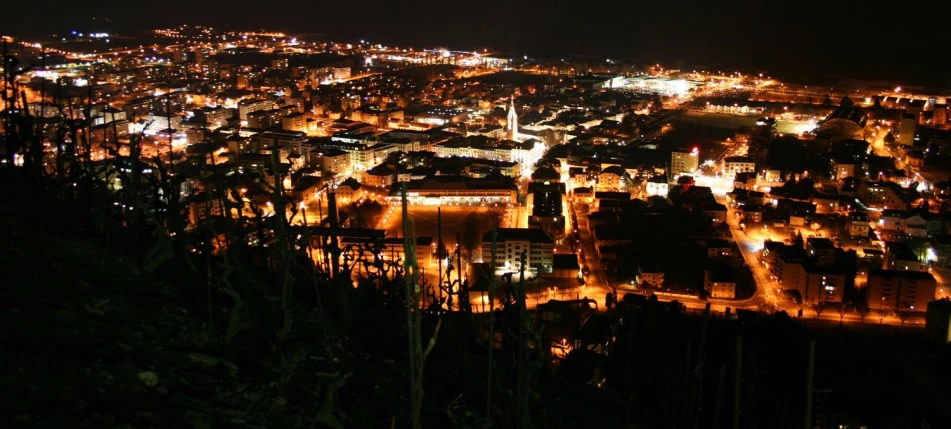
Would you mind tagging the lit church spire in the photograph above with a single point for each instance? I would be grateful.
(512, 122)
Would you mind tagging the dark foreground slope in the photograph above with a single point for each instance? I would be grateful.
(89, 342)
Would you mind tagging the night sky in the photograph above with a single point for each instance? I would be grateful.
(887, 40)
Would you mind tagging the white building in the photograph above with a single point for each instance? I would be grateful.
(253, 105)
(537, 245)
(658, 186)
(739, 164)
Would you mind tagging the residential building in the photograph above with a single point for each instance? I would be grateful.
(739, 164)
(295, 122)
(264, 119)
(217, 117)
(546, 204)
(545, 174)
(684, 162)
(914, 226)
(822, 284)
(380, 176)
(785, 263)
(820, 249)
(253, 105)
(718, 248)
(204, 206)
(527, 152)
(334, 161)
(752, 212)
(716, 212)
(565, 266)
(658, 186)
(899, 290)
(583, 195)
(717, 286)
(824, 203)
(744, 181)
(858, 224)
(650, 274)
(375, 116)
(900, 257)
(393, 250)
(341, 73)
(349, 190)
(842, 169)
(882, 195)
(158, 123)
(906, 129)
(511, 243)
(611, 179)
(890, 219)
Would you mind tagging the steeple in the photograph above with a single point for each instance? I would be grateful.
(511, 123)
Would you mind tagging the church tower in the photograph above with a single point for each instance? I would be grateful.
(511, 123)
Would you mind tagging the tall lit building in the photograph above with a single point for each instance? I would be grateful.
(906, 129)
(684, 162)
(511, 123)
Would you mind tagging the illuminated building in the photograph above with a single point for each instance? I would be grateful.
(822, 284)
(375, 116)
(216, 117)
(253, 105)
(279, 64)
(739, 164)
(858, 224)
(527, 152)
(537, 245)
(393, 250)
(684, 162)
(295, 122)
(651, 274)
(511, 122)
(611, 178)
(658, 186)
(264, 119)
(341, 73)
(661, 84)
(882, 195)
(900, 290)
(717, 286)
(156, 123)
(348, 190)
(104, 115)
(843, 169)
(109, 134)
(442, 190)
(380, 176)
